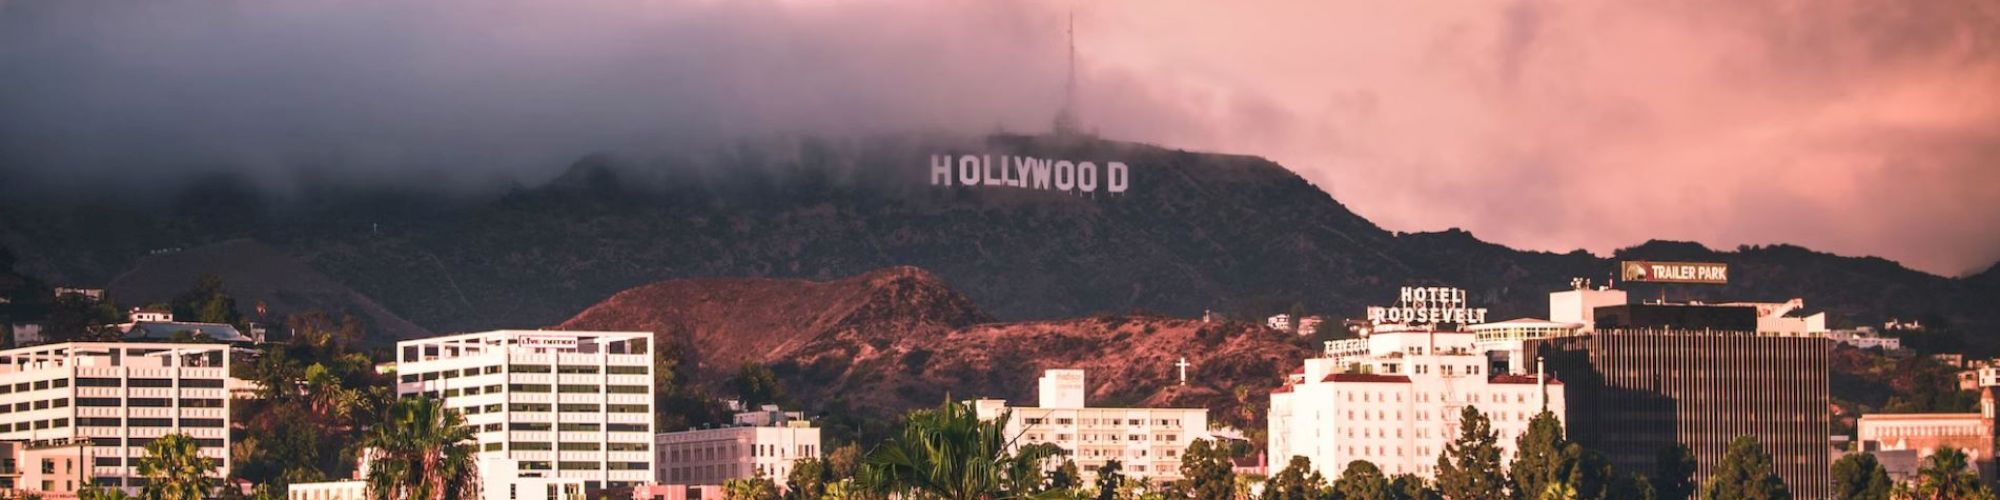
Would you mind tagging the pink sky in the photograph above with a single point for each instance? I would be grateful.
(1861, 127)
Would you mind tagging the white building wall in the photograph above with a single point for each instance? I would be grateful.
(563, 404)
(1580, 305)
(712, 456)
(1147, 442)
(1398, 407)
(117, 397)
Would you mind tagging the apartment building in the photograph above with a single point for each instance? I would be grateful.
(764, 442)
(1147, 442)
(83, 412)
(562, 404)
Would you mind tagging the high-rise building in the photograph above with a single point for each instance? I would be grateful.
(1147, 442)
(1653, 375)
(561, 404)
(1395, 399)
(765, 442)
(82, 411)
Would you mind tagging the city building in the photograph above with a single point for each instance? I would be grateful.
(1395, 399)
(1921, 434)
(352, 489)
(87, 410)
(564, 405)
(55, 468)
(1865, 338)
(499, 479)
(1146, 441)
(159, 324)
(1282, 322)
(1579, 303)
(1504, 342)
(765, 442)
(1653, 375)
(678, 492)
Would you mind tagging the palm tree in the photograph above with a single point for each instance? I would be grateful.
(949, 453)
(421, 451)
(175, 469)
(1945, 475)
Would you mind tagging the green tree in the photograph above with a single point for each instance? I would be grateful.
(1946, 475)
(1633, 486)
(756, 385)
(175, 469)
(1538, 457)
(844, 461)
(1363, 481)
(1673, 473)
(1858, 476)
(1584, 472)
(948, 452)
(1407, 486)
(758, 487)
(807, 480)
(207, 302)
(1066, 477)
(1206, 471)
(1746, 473)
(95, 492)
(1297, 481)
(422, 450)
(1470, 467)
(1110, 479)
(76, 317)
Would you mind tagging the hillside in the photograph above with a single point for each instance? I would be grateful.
(1234, 234)
(893, 339)
(254, 273)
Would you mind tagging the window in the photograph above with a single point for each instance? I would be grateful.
(577, 408)
(541, 407)
(577, 427)
(61, 383)
(201, 403)
(150, 382)
(98, 402)
(208, 443)
(528, 387)
(625, 370)
(528, 368)
(577, 447)
(409, 378)
(492, 447)
(97, 422)
(625, 427)
(627, 466)
(202, 383)
(201, 422)
(576, 369)
(530, 446)
(96, 382)
(108, 462)
(625, 408)
(577, 465)
(626, 446)
(152, 422)
(625, 389)
(527, 426)
(149, 402)
(575, 388)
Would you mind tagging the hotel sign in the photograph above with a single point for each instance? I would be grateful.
(1429, 305)
(1706, 273)
(564, 343)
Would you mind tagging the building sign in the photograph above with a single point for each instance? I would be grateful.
(1707, 273)
(1428, 305)
(1023, 172)
(564, 343)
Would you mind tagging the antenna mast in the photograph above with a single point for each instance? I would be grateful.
(1066, 117)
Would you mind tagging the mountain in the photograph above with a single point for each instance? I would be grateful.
(254, 273)
(882, 342)
(1195, 232)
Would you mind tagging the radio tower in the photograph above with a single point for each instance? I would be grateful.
(1066, 117)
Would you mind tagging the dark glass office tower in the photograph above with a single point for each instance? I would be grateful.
(1633, 391)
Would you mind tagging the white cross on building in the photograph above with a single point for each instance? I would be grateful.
(1183, 366)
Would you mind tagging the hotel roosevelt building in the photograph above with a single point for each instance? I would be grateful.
(562, 404)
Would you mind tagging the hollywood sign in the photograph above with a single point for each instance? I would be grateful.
(1030, 173)
(1429, 305)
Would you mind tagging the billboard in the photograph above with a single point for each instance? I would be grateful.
(1705, 273)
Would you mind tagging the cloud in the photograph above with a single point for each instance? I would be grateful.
(1853, 126)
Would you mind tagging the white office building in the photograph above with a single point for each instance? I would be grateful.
(1394, 399)
(1505, 341)
(764, 442)
(1147, 442)
(562, 405)
(97, 405)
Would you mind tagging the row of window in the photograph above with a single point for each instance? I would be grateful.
(563, 369)
(543, 465)
(1132, 422)
(579, 388)
(35, 405)
(571, 427)
(34, 386)
(149, 403)
(147, 422)
(198, 383)
(567, 408)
